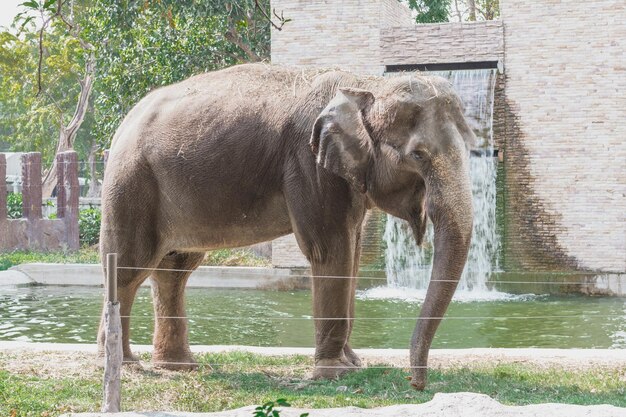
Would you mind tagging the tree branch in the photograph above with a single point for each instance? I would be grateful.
(233, 36)
(40, 59)
(280, 18)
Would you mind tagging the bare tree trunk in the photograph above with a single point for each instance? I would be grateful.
(94, 185)
(67, 134)
(458, 12)
(491, 9)
(472, 10)
(233, 36)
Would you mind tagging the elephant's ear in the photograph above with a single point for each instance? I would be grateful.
(340, 140)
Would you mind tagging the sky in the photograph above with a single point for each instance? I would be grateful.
(8, 10)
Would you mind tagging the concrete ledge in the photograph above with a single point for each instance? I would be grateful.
(203, 277)
(15, 278)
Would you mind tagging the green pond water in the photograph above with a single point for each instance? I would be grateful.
(283, 318)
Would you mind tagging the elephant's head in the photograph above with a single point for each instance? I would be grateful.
(404, 143)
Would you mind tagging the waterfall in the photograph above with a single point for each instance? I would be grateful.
(408, 266)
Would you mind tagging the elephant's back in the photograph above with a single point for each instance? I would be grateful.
(200, 108)
(193, 148)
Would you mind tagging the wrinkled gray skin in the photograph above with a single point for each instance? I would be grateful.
(254, 152)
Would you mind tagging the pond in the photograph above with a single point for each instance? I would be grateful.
(66, 314)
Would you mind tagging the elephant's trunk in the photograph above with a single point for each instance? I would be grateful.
(450, 209)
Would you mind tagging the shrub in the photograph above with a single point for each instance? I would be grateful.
(14, 205)
(89, 225)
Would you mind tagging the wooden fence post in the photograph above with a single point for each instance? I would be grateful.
(113, 341)
(3, 187)
(68, 193)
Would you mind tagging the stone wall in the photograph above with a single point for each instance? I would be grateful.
(33, 232)
(287, 254)
(442, 43)
(565, 156)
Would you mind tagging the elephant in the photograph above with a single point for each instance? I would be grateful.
(253, 152)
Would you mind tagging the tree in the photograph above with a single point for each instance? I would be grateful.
(473, 10)
(117, 51)
(434, 11)
(32, 115)
(430, 11)
(144, 45)
(67, 52)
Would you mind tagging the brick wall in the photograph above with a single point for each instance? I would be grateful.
(342, 34)
(559, 109)
(565, 157)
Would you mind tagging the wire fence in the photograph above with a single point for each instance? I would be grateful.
(308, 362)
(619, 280)
(618, 276)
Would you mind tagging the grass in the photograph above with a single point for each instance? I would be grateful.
(234, 257)
(90, 255)
(226, 381)
(85, 255)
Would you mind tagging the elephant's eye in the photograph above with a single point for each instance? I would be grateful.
(418, 155)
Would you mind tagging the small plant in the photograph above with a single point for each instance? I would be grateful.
(268, 410)
(14, 205)
(89, 225)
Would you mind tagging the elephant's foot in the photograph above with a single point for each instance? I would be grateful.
(184, 362)
(332, 368)
(351, 356)
(418, 379)
(130, 358)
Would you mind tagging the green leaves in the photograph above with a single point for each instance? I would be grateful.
(50, 5)
(30, 4)
(430, 11)
(89, 226)
(138, 46)
(14, 205)
(268, 410)
(47, 5)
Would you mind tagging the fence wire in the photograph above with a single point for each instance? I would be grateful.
(609, 276)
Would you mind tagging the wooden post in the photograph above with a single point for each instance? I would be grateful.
(113, 341)
(3, 187)
(68, 192)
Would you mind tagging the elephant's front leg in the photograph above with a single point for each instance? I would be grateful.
(347, 350)
(331, 310)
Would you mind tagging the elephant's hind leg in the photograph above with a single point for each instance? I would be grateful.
(129, 280)
(171, 344)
